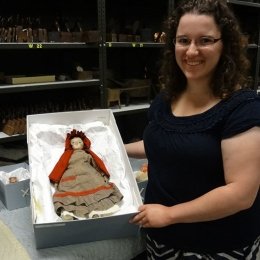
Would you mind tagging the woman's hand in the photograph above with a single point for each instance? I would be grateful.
(152, 216)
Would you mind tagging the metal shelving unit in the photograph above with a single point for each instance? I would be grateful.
(44, 52)
(103, 48)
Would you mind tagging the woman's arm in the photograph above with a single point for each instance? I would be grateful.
(241, 158)
(135, 150)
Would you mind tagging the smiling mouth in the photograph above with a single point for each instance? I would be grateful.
(193, 63)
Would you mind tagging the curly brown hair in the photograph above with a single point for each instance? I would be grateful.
(232, 70)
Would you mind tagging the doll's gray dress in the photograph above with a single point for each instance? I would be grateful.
(84, 187)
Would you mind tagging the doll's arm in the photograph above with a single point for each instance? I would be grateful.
(60, 167)
(99, 163)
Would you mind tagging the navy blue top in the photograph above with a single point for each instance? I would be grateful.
(185, 162)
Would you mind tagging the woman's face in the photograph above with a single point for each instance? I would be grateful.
(76, 143)
(198, 46)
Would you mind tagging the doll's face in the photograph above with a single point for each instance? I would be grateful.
(77, 143)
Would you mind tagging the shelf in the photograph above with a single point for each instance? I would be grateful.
(47, 45)
(148, 45)
(4, 138)
(48, 85)
(134, 45)
(252, 46)
(131, 109)
(244, 3)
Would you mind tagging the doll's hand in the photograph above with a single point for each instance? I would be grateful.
(152, 215)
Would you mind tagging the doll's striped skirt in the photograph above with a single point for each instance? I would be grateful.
(157, 251)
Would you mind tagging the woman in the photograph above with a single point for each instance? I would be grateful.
(202, 143)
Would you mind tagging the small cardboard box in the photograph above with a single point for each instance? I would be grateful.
(57, 233)
(28, 80)
(15, 195)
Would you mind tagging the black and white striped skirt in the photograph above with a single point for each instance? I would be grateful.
(157, 251)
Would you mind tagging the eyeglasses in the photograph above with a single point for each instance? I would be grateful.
(202, 42)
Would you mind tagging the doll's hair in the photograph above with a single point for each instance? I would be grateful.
(75, 133)
(232, 70)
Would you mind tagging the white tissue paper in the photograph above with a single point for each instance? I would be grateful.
(47, 143)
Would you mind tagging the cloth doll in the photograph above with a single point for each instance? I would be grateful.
(81, 180)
